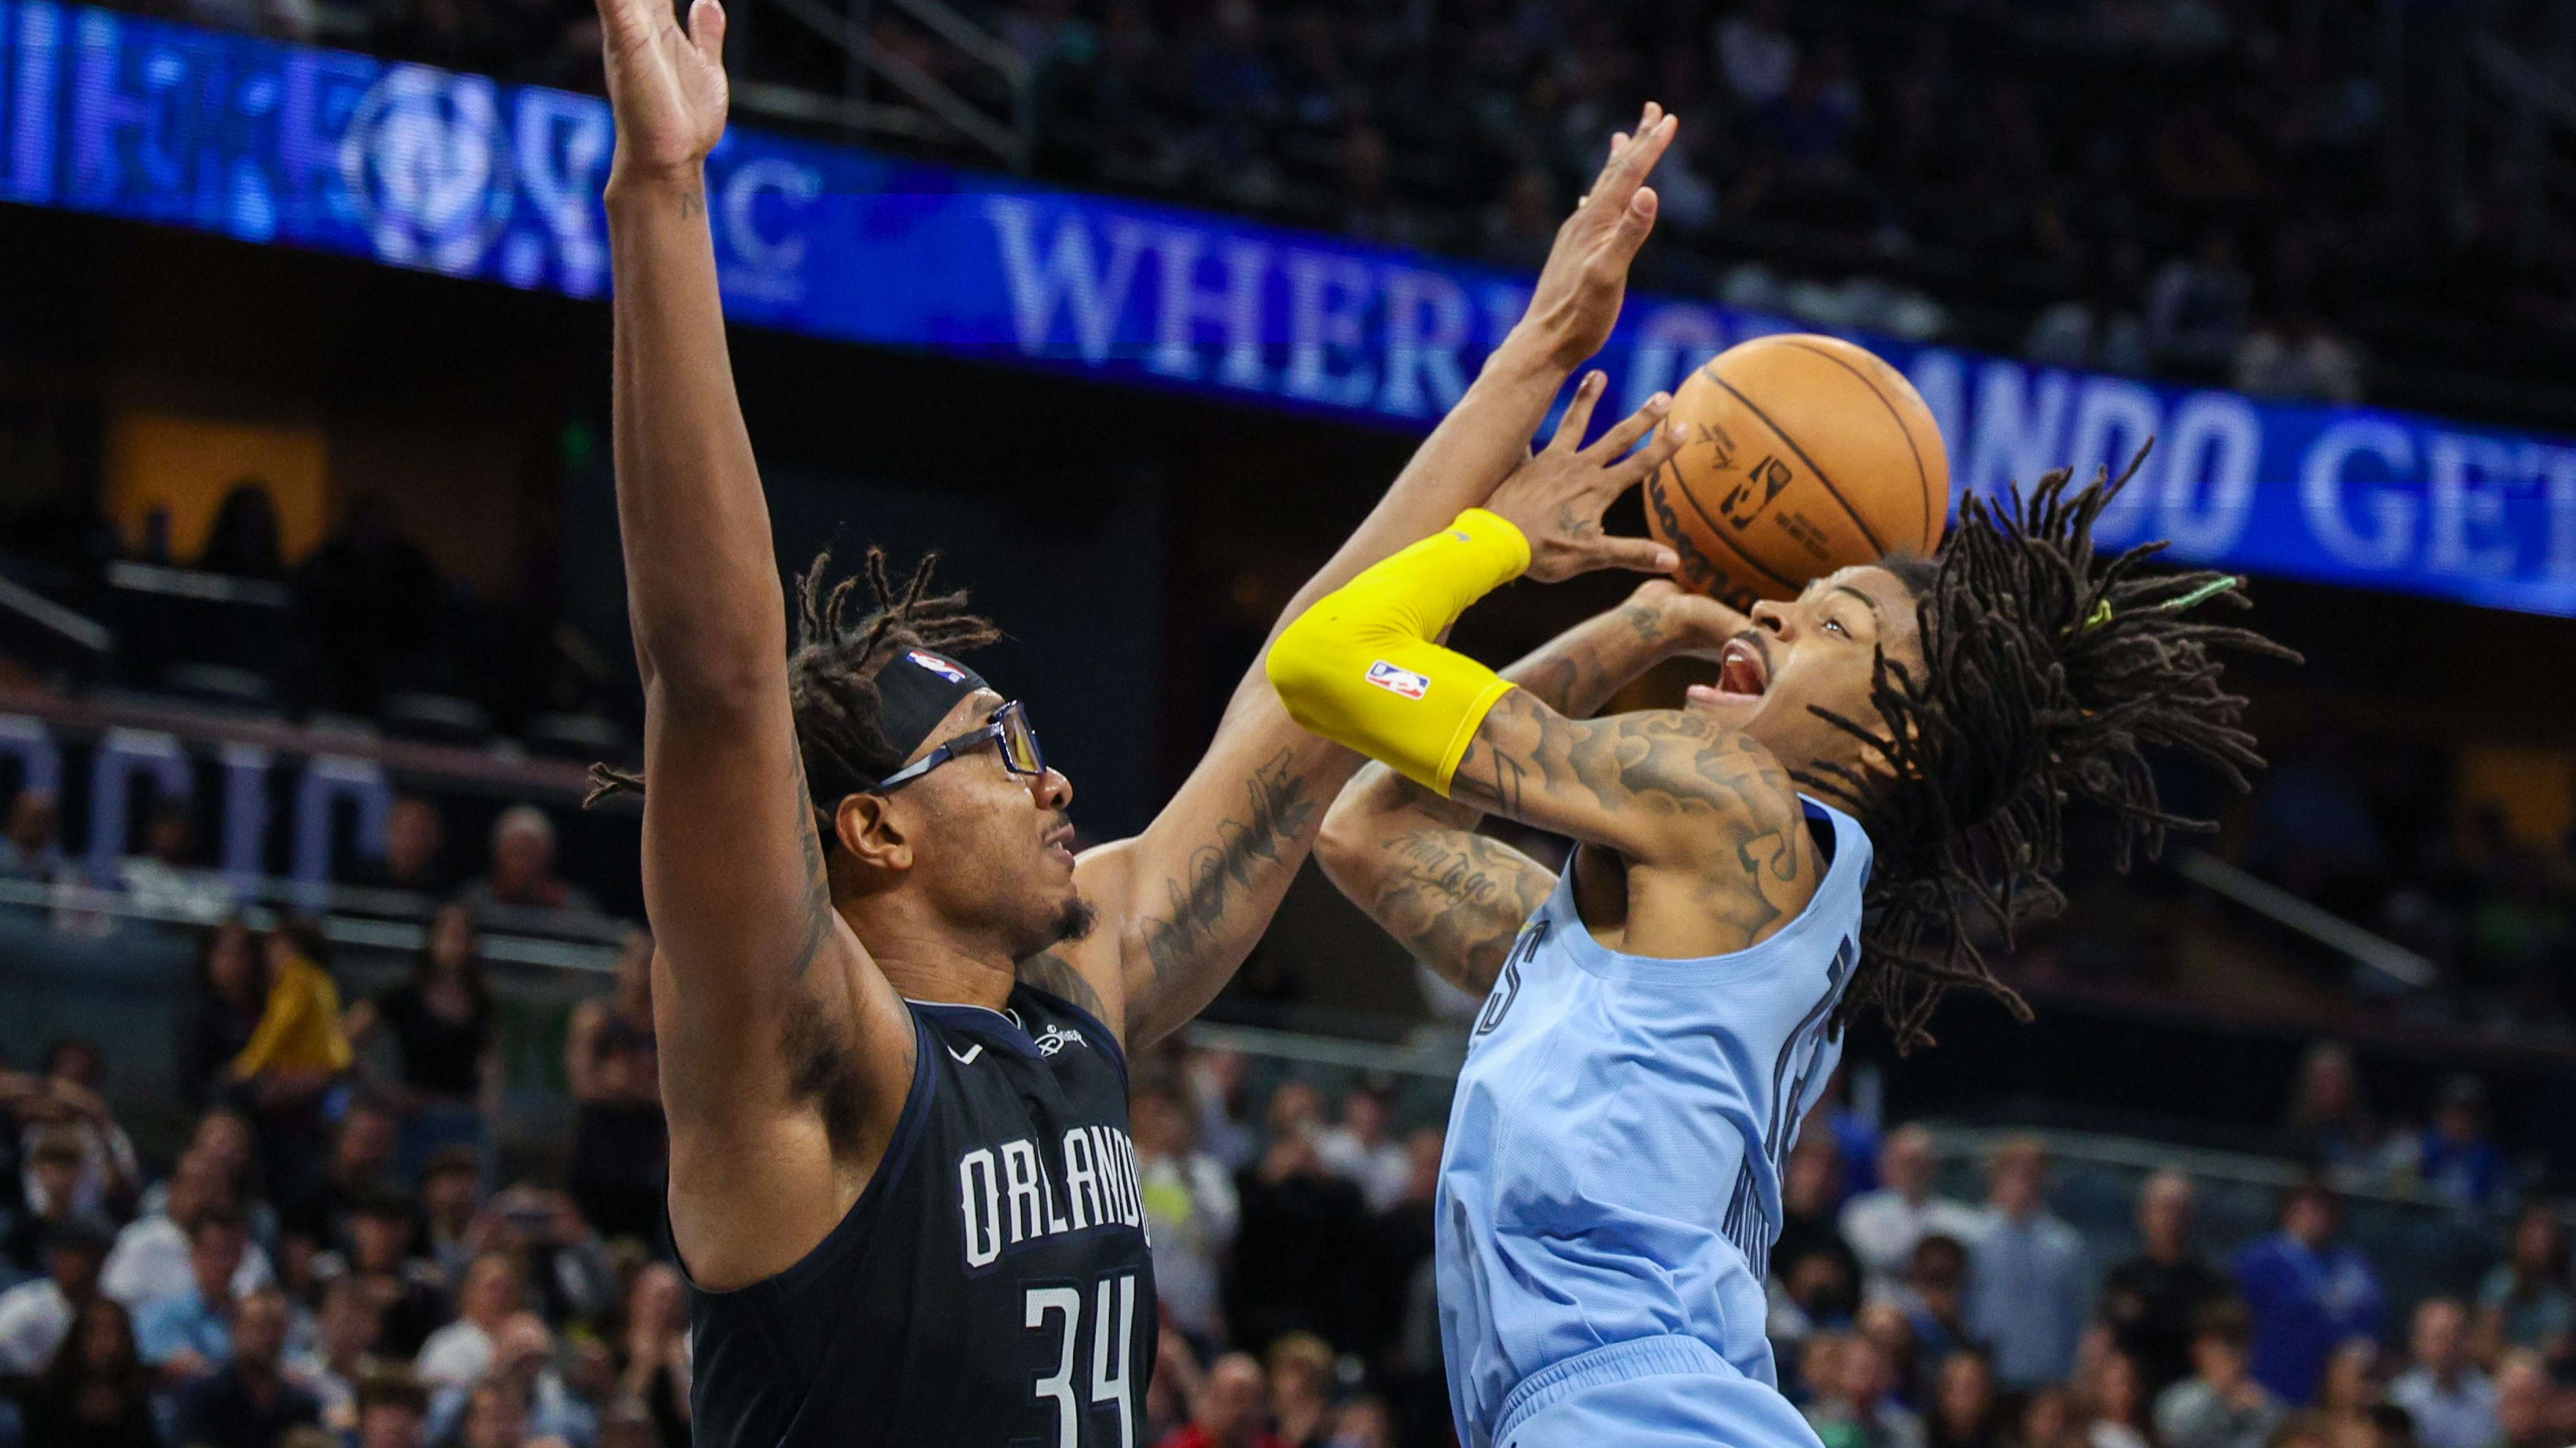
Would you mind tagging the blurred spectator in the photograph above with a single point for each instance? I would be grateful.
(451, 1200)
(370, 599)
(2453, 1159)
(2522, 1403)
(294, 1054)
(443, 1025)
(2111, 1404)
(2329, 1124)
(189, 1334)
(243, 539)
(410, 1291)
(2152, 1299)
(2523, 1302)
(1359, 1151)
(1301, 1390)
(563, 1258)
(1219, 1084)
(2306, 1293)
(2025, 1275)
(1402, 1239)
(2309, 1430)
(1191, 1205)
(2352, 1388)
(2196, 308)
(360, 1167)
(346, 1333)
(224, 1010)
(1965, 1410)
(1854, 1406)
(393, 1411)
(415, 838)
(1809, 1190)
(2450, 1401)
(36, 1316)
(31, 848)
(2100, 328)
(1364, 1422)
(249, 1402)
(1935, 1296)
(52, 1174)
(1230, 1409)
(110, 1173)
(2222, 1404)
(155, 1255)
(459, 1354)
(2297, 356)
(1755, 53)
(1883, 1226)
(620, 1144)
(163, 882)
(523, 869)
(1313, 1229)
(97, 1393)
(658, 1364)
(2048, 1420)
(522, 1369)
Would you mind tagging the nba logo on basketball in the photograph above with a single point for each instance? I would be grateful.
(1742, 504)
(1397, 681)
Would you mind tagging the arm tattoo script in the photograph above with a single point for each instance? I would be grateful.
(1455, 899)
(1197, 931)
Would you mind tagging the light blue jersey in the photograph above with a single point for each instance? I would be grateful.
(1611, 1188)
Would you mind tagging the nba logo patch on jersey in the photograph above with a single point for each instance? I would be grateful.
(1401, 682)
(937, 665)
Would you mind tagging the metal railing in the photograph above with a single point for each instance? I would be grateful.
(930, 109)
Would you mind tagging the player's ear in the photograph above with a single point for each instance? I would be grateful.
(871, 834)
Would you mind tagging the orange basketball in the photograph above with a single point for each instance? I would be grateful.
(1802, 454)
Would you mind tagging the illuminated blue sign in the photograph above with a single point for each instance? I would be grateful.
(459, 174)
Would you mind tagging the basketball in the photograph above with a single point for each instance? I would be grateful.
(1802, 454)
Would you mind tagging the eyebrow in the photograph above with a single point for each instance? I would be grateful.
(1866, 600)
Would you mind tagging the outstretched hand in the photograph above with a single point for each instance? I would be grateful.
(1556, 498)
(666, 85)
(1585, 280)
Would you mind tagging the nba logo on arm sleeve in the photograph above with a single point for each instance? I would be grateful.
(1403, 683)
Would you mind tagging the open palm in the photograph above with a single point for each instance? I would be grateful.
(666, 85)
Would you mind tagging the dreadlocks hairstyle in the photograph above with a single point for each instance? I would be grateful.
(832, 673)
(2047, 672)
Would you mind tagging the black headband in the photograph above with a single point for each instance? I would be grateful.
(915, 690)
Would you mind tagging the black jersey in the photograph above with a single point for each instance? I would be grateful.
(991, 1287)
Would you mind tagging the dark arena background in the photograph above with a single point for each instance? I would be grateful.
(312, 616)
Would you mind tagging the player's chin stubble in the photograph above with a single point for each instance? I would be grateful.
(1075, 921)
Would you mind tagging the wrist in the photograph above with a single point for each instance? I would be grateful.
(634, 183)
(1526, 354)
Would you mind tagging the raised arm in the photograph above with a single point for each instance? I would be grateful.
(733, 869)
(1415, 861)
(1694, 803)
(1182, 903)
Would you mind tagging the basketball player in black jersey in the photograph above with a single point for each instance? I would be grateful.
(892, 1007)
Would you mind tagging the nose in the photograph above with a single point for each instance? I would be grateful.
(1773, 618)
(1051, 790)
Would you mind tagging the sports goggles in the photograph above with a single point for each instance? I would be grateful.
(1009, 727)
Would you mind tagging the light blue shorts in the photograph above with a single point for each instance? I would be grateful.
(1662, 1392)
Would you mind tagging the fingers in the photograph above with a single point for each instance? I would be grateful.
(1633, 157)
(1642, 463)
(707, 29)
(1578, 412)
(1624, 433)
(1638, 555)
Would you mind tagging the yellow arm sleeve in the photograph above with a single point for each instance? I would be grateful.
(1360, 667)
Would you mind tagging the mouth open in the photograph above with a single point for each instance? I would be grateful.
(1059, 841)
(1743, 676)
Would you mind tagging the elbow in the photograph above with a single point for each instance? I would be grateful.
(1350, 828)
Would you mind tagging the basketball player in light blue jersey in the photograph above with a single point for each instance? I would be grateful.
(1879, 771)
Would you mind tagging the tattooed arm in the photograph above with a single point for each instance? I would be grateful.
(1181, 904)
(1414, 861)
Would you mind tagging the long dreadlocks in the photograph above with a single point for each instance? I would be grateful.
(832, 673)
(2047, 672)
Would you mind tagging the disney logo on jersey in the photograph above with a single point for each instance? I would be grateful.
(1057, 1038)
